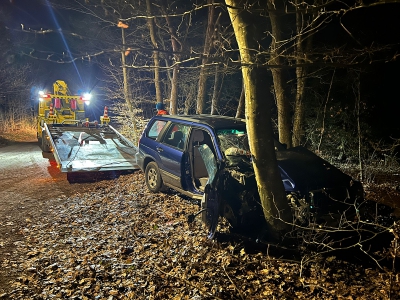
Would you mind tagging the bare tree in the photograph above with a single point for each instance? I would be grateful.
(15, 85)
(177, 46)
(201, 93)
(303, 43)
(156, 57)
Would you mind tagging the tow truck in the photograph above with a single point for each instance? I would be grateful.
(77, 144)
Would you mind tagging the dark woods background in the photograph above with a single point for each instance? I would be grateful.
(352, 72)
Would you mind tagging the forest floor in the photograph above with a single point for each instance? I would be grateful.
(112, 239)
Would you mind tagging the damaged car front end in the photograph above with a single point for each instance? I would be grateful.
(316, 191)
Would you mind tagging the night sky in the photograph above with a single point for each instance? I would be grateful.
(29, 12)
(35, 15)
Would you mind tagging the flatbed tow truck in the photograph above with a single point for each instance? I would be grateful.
(77, 144)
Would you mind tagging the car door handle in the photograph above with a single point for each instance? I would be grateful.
(159, 149)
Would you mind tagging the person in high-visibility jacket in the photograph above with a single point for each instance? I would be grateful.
(161, 109)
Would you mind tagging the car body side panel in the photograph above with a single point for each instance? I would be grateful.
(171, 161)
(147, 151)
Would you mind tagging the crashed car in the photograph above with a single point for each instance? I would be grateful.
(207, 157)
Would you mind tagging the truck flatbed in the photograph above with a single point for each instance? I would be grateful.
(90, 149)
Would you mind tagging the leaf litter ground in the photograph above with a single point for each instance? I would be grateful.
(122, 242)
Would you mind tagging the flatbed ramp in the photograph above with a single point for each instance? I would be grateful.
(87, 149)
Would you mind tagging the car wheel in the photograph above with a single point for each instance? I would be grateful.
(153, 178)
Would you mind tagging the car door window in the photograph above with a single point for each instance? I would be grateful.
(209, 161)
(176, 135)
(199, 170)
(155, 129)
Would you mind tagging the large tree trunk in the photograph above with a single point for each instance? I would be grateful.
(156, 56)
(258, 102)
(201, 94)
(279, 78)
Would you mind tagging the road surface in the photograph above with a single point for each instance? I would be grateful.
(29, 184)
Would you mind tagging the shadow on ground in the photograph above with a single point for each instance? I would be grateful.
(87, 177)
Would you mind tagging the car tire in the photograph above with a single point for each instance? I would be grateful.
(153, 178)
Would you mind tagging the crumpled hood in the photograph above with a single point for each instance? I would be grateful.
(307, 171)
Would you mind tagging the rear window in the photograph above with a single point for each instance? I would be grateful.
(155, 129)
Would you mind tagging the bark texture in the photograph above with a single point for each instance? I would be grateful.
(240, 108)
(303, 46)
(125, 74)
(279, 76)
(156, 55)
(258, 102)
(176, 48)
(201, 93)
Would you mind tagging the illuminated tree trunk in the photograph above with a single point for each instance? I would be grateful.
(125, 75)
(258, 102)
(216, 89)
(302, 47)
(156, 56)
(201, 92)
(298, 115)
(176, 47)
(299, 108)
(279, 78)
(173, 104)
(240, 108)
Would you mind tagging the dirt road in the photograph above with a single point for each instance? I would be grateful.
(29, 185)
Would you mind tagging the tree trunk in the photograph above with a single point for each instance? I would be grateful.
(173, 104)
(201, 94)
(215, 96)
(301, 50)
(156, 56)
(357, 92)
(279, 78)
(125, 75)
(298, 117)
(176, 48)
(258, 102)
(240, 108)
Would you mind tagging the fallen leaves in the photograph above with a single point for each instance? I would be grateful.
(121, 242)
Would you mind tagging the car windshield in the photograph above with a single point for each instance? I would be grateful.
(234, 144)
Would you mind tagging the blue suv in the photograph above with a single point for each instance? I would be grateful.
(207, 157)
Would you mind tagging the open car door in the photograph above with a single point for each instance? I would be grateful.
(210, 202)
